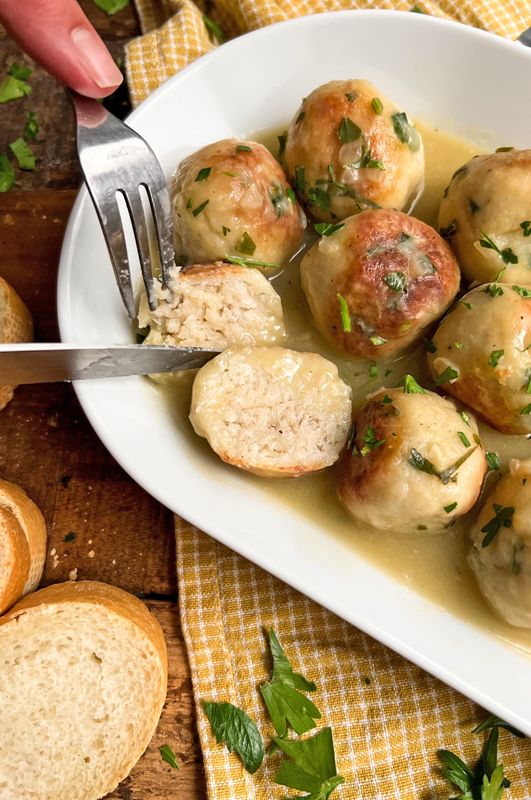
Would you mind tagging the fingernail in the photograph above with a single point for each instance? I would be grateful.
(95, 58)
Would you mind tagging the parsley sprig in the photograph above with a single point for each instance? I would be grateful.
(309, 766)
(503, 518)
(507, 255)
(232, 725)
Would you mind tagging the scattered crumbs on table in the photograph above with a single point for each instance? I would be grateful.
(73, 574)
(91, 554)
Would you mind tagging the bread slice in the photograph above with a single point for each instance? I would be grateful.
(14, 560)
(83, 677)
(15, 501)
(16, 325)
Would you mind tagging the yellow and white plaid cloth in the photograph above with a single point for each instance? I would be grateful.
(388, 716)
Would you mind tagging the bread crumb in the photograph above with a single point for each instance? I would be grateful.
(73, 574)
(91, 554)
(53, 551)
(113, 561)
(89, 541)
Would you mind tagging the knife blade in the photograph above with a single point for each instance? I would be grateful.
(48, 363)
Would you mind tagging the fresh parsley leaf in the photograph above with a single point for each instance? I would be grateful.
(396, 281)
(213, 28)
(18, 72)
(370, 442)
(327, 228)
(526, 227)
(290, 194)
(522, 291)
(282, 140)
(111, 6)
(348, 131)
(405, 131)
(377, 105)
(507, 255)
(465, 417)
(320, 198)
(373, 369)
(232, 726)
(250, 262)
(243, 148)
(456, 771)
(493, 460)
(451, 507)
(7, 173)
(525, 410)
(411, 386)
(495, 722)
(346, 322)
(203, 174)
(246, 245)
(377, 340)
(493, 290)
(495, 357)
(168, 755)
(449, 374)
(310, 765)
(12, 88)
(464, 438)
(31, 128)
(351, 96)
(200, 208)
(503, 518)
(282, 669)
(468, 306)
(23, 154)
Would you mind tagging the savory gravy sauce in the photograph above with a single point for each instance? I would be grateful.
(432, 564)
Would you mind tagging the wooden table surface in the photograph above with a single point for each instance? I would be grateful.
(122, 535)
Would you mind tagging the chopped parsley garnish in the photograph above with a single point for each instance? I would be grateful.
(493, 290)
(7, 173)
(13, 88)
(493, 460)
(246, 245)
(346, 322)
(377, 105)
(250, 262)
(300, 117)
(282, 139)
(373, 370)
(495, 357)
(503, 518)
(465, 417)
(451, 507)
(421, 463)
(225, 230)
(328, 228)
(243, 148)
(458, 345)
(348, 131)
(405, 131)
(276, 195)
(18, 72)
(169, 756)
(473, 206)
(70, 536)
(320, 198)
(464, 438)
(31, 128)
(213, 28)
(449, 374)
(522, 291)
(386, 400)
(526, 410)
(526, 227)
(430, 346)
(310, 765)
(396, 281)
(468, 306)
(351, 96)
(111, 6)
(203, 174)
(232, 726)
(411, 386)
(300, 179)
(449, 231)
(504, 149)
(507, 255)
(189, 203)
(290, 194)
(200, 208)
(377, 340)
(370, 442)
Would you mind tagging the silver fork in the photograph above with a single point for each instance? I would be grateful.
(116, 160)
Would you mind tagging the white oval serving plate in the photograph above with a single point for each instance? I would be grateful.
(443, 73)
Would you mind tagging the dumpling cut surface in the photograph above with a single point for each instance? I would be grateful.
(413, 463)
(350, 148)
(83, 673)
(232, 199)
(486, 216)
(272, 411)
(215, 306)
(481, 354)
(377, 282)
(500, 556)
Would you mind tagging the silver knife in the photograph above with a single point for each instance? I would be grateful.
(47, 363)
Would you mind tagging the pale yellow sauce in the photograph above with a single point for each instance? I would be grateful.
(432, 564)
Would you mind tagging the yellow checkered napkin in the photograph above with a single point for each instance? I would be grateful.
(388, 716)
(174, 32)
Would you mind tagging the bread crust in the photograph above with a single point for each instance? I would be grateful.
(15, 500)
(14, 559)
(16, 325)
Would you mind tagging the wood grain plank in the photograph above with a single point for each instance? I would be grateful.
(152, 778)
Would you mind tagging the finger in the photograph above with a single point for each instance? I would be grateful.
(57, 34)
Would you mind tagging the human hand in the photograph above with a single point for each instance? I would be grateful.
(58, 35)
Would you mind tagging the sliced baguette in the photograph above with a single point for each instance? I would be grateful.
(16, 325)
(14, 560)
(83, 677)
(16, 502)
